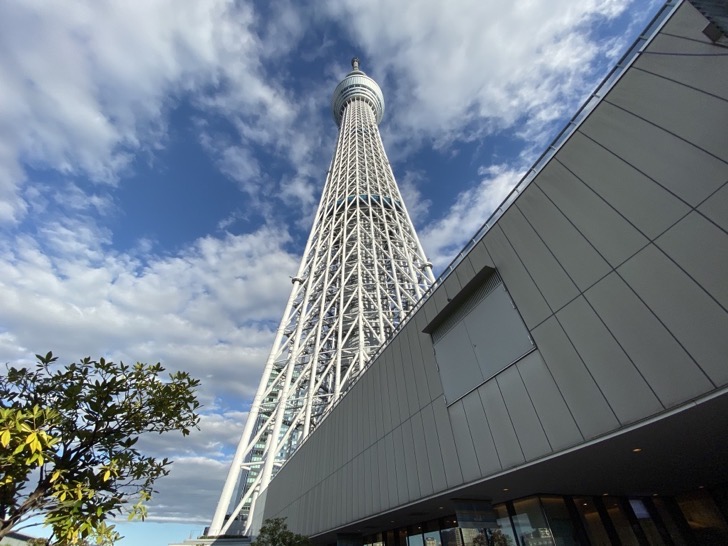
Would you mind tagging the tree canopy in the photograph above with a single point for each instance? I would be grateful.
(68, 438)
(275, 532)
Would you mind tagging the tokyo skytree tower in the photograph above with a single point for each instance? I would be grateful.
(362, 271)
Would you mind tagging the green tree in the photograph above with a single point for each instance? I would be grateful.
(275, 533)
(68, 438)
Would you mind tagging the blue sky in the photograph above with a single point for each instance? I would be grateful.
(161, 161)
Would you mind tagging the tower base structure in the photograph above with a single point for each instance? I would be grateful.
(566, 380)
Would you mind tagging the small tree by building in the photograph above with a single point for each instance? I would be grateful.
(68, 438)
(275, 532)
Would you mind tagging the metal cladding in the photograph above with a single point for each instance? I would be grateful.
(363, 270)
(357, 85)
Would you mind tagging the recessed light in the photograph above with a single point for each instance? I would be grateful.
(442, 507)
(505, 489)
(605, 494)
(586, 504)
(637, 450)
(701, 487)
(655, 494)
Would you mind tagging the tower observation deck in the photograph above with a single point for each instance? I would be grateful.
(362, 271)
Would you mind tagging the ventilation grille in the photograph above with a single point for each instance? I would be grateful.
(461, 312)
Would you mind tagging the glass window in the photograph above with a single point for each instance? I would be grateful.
(414, 536)
(449, 532)
(504, 535)
(530, 522)
(667, 516)
(620, 521)
(592, 521)
(649, 527)
(703, 517)
(559, 519)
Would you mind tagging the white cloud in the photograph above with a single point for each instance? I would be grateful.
(459, 71)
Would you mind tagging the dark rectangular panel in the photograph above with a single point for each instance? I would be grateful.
(459, 370)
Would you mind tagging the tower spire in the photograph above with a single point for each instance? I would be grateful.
(362, 271)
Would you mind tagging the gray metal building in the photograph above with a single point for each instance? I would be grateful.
(568, 375)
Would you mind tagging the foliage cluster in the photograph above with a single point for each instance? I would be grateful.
(68, 440)
(275, 532)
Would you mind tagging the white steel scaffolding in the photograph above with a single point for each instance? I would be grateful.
(363, 269)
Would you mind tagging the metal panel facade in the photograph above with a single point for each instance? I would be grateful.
(615, 257)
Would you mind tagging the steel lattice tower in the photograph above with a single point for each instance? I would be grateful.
(363, 269)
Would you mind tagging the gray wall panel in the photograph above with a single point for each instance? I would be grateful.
(439, 297)
(504, 435)
(400, 466)
(614, 237)
(434, 454)
(675, 108)
(572, 250)
(716, 207)
(401, 383)
(375, 371)
(368, 482)
(627, 392)
(413, 480)
(479, 257)
(394, 493)
(669, 370)
(388, 396)
(581, 393)
(701, 249)
(464, 442)
(384, 484)
(374, 478)
(706, 73)
(451, 285)
(418, 367)
(422, 459)
(643, 202)
(530, 302)
(668, 160)
(455, 350)
(409, 376)
(453, 472)
(556, 419)
(393, 392)
(465, 271)
(434, 384)
(546, 272)
(480, 433)
(692, 316)
(526, 423)
(497, 333)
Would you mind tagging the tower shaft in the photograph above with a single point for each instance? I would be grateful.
(363, 269)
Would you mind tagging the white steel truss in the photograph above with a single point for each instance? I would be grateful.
(362, 270)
